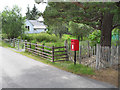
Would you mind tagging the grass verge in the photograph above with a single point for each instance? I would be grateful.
(3, 44)
(64, 65)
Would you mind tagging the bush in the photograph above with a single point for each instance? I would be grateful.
(95, 37)
(41, 37)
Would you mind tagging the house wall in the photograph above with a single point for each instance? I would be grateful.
(31, 29)
(39, 30)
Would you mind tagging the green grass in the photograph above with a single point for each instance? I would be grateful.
(64, 65)
(3, 44)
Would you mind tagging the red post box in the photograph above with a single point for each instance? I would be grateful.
(74, 45)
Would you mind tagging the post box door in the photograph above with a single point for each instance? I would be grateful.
(74, 44)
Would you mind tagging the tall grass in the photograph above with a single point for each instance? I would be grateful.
(41, 37)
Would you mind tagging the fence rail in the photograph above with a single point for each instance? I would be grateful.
(53, 53)
(95, 57)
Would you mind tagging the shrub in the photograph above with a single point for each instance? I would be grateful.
(95, 37)
(41, 37)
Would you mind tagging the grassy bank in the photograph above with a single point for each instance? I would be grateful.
(64, 65)
(3, 44)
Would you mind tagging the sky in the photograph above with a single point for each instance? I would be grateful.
(23, 4)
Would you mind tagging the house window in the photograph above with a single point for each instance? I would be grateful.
(28, 27)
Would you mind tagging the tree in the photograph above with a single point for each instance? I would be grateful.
(34, 13)
(59, 29)
(12, 22)
(0, 23)
(28, 14)
(79, 30)
(104, 16)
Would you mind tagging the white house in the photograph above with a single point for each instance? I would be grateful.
(35, 26)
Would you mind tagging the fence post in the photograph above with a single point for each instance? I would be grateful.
(118, 57)
(52, 53)
(10, 41)
(18, 44)
(66, 48)
(36, 48)
(43, 50)
(88, 49)
(14, 42)
(30, 47)
(112, 56)
(97, 56)
(25, 45)
(80, 59)
(118, 52)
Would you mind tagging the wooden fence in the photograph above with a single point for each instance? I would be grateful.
(16, 43)
(97, 56)
(107, 56)
(53, 53)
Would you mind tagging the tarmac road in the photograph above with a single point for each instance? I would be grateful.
(22, 72)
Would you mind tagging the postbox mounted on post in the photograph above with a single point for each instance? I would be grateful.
(74, 45)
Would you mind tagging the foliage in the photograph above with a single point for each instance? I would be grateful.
(96, 14)
(59, 29)
(33, 14)
(12, 22)
(0, 23)
(3, 44)
(41, 37)
(79, 29)
(95, 37)
(115, 31)
(28, 14)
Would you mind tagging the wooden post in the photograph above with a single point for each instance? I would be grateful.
(13, 42)
(118, 52)
(74, 57)
(88, 49)
(80, 59)
(52, 53)
(43, 50)
(25, 45)
(18, 44)
(30, 46)
(22, 44)
(118, 57)
(10, 41)
(36, 48)
(66, 45)
(97, 56)
(112, 56)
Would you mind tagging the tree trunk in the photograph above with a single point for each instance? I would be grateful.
(60, 35)
(106, 29)
(79, 38)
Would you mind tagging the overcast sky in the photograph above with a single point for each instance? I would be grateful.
(21, 4)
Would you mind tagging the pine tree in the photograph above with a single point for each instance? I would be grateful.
(28, 14)
(34, 13)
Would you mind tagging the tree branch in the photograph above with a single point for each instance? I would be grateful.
(80, 5)
(115, 26)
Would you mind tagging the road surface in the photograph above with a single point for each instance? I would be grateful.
(22, 72)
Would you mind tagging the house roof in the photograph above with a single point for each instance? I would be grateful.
(40, 19)
(37, 24)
